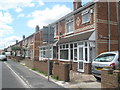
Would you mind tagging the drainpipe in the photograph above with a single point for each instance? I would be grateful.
(108, 25)
(118, 28)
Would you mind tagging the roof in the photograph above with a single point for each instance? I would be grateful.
(78, 37)
(76, 11)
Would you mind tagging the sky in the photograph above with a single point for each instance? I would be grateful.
(19, 17)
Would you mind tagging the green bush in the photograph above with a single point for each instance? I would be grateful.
(39, 71)
(3, 53)
(55, 77)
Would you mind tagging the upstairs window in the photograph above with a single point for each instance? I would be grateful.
(86, 16)
(54, 30)
(69, 25)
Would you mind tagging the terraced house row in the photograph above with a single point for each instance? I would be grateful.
(79, 36)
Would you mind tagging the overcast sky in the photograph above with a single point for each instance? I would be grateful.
(19, 17)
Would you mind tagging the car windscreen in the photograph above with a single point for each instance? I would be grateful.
(105, 58)
(2, 56)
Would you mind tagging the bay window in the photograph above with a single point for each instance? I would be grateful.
(44, 53)
(64, 52)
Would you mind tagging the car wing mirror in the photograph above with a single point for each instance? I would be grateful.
(118, 59)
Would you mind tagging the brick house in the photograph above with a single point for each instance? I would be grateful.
(78, 36)
(83, 34)
(31, 45)
(16, 52)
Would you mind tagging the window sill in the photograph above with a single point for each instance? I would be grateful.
(84, 23)
(75, 61)
(63, 60)
(46, 59)
(69, 33)
(86, 62)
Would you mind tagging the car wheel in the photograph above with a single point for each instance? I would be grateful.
(98, 78)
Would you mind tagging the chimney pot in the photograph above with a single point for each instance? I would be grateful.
(77, 4)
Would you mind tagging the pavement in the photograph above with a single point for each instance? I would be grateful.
(38, 80)
(32, 79)
(85, 81)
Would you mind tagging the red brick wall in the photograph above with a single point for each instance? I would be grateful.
(61, 26)
(110, 80)
(87, 68)
(61, 71)
(102, 27)
(74, 66)
(41, 65)
(37, 40)
(78, 15)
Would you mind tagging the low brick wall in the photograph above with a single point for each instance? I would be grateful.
(87, 68)
(61, 71)
(17, 58)
(29, 63)
(41, 65)
(75, 66)
(109, 79)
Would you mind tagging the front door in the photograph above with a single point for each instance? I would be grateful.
(80, 59)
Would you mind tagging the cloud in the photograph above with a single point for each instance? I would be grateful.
(18, 10)
(5, 20)
(8, 4)
(31, 5)
(40, 2)
(21, 15)
(47, 16)
(5, 42)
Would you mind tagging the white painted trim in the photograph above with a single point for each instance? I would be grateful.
(63, 60)
(80, 33)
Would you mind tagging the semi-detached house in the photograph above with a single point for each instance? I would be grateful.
(83, 34)
(78, 36)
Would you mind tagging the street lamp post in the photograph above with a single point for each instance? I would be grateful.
(48, 36)
(48, 52)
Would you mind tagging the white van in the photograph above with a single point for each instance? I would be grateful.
(106, 59)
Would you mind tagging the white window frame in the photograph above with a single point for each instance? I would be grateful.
(69, 52)
(89, 44)
(64, 49)
(42, 58)
(84, 13)
(68, 21)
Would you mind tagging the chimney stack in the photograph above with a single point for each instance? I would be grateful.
(23, 37)
(37, 28)
(77, 4)
(16, 41)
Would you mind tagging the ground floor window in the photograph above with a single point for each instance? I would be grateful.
(64, 54)
(44, 54)
(81, 50)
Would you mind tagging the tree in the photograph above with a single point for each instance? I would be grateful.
(16, 49)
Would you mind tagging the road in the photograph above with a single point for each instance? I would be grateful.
(9, 78)
(14, 75)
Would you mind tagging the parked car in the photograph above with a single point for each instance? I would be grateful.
(3, 58)
(104, 60)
